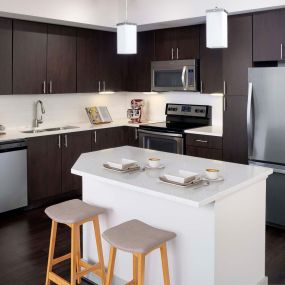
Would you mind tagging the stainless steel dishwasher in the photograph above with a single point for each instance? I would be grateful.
(13, 175)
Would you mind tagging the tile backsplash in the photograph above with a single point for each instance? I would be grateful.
(18, 110)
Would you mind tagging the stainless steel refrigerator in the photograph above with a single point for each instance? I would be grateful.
(266, 133)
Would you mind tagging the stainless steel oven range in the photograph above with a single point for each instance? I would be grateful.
(169, 136)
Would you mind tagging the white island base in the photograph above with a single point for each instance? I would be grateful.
(220, 237)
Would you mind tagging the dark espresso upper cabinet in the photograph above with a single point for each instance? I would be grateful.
(61, 59)
(29, 57)
(177, 43)
(89, 61)
(211, 66)
(139, 65)
(237, 58)
(269, 36)
(5, 56)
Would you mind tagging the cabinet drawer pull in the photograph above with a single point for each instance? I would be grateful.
(172, 53)
(177, 53)
(65, 141)
(95, 137)
(225, 87)
(136, 134)
(59, 141)
(281, 51)
(99, 86)
(50, 87)
(201, 141)
(44, 87)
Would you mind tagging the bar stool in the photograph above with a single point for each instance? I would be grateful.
(74, 213)
(139, 239)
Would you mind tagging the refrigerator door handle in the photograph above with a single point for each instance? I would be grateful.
(250, 120)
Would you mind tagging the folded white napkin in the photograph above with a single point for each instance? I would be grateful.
(183, 176)
(123, 164)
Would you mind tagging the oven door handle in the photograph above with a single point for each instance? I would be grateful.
(160, 134)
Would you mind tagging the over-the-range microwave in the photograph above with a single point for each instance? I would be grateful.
(174, 75)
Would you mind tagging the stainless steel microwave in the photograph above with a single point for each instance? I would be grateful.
(174, 75)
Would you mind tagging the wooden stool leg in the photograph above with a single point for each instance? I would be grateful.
(141, 268)
(135, 269)
(111, 265)
(74, 250)
(51, 249)
(99, 248)
(164, 260)
(78, 268)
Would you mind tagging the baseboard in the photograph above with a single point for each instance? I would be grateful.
(263, 281)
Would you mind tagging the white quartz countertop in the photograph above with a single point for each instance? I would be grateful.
(207, 131)
(236, 176)
(17, 134)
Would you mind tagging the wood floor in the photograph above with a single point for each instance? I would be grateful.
(24, 239)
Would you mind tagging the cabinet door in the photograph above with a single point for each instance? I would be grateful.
(211, 66)
(165, 44)
(5, 56)
(237, 58)
(235, 130)
(44, 167)
(139, 65)
(61, 59)
(187, 42)
(73, 145)
(111, 64)
(268, 35)
(108, 138)
(29, 57)
(88, 60)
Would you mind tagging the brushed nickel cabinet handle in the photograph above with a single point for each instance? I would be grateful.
(44, 87)
(225, 87)
(172, 53)
(95, 137)
(281, 51)
(201, 84)
(177, 53)
(201, 141)
(225, 104)
(50, 87)
(65, 141)
(59, 141)
(136, 134)
(99, 86)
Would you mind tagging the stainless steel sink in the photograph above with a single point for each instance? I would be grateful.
(35, 131)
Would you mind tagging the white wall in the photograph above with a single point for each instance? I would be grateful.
(18, 110)
(106, 14)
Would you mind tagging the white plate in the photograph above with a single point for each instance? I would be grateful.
(182, 176)
(161, 166)
(197, 183)
(124, 164)
(220, 178)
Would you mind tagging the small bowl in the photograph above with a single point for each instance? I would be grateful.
(154, 162)
(212, 173)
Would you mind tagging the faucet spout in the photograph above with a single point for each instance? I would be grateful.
(38, 120)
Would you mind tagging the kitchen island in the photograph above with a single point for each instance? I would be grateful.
(220, 228)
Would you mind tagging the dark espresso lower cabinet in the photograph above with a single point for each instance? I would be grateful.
(73, 145)
(50, 159)
(210, 147)
(44, 167)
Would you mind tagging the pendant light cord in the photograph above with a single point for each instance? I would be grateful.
(126, 11)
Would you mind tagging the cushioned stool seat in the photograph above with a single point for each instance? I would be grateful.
(72, 212)
(136, 236)
(139, 239)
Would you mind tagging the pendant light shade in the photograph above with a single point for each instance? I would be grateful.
(217, 28)
(126, 36)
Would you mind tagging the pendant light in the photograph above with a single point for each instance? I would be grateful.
(126, 36)
(217, 28)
